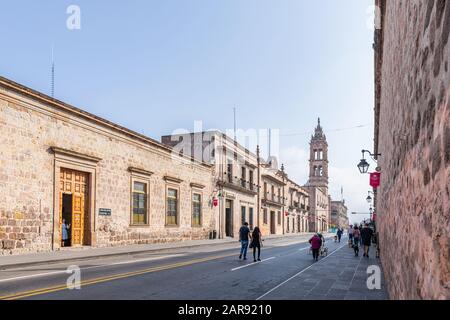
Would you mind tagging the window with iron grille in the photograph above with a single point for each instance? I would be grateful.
(139, 203)
(243, 215)
(279, 217)
(250, 217)
(196, 210)
(265, 216)
(172, 207)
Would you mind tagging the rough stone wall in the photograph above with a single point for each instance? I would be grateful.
(413, 202)
(28, 129)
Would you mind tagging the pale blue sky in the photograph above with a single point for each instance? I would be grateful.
(155, 66)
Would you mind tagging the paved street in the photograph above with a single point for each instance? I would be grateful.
(202, 273)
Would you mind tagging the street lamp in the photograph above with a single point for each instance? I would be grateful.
(363, 165)
(369, 198)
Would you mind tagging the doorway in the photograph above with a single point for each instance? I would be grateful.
(272, 222)
(229, 218)
(74, 200)
(67, 217)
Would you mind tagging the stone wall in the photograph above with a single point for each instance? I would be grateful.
(413, 125)
(30, 126)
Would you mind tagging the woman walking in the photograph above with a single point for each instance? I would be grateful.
(356, 239)
(256, 243)
(316, 243)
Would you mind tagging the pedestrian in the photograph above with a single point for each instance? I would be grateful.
(65, 233)
(339, 234)
(256, 243)
(366, 236)
(350, 236)
(244, 235)
(356, 237)
(316, 243)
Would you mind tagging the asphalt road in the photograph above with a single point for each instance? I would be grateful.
(203, 273)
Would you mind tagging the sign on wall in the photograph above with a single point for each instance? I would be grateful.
(105, 212)
(375, 179)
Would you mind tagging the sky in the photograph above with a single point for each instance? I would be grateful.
(158, 66)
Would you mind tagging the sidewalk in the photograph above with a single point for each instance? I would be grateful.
(87, 253)
(340, 276)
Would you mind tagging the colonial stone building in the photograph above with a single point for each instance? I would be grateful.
(339, 215)
(317, 185)
(412, 134)
(112, 186)
(235, 177)
(247, 188)
(297, 208)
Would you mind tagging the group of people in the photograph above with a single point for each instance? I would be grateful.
(360, 236)
(254, 239)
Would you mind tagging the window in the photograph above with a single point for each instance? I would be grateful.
(250, 177)
(250, 217)
(230, 172)
(172, 207)
(243, 215)
(279, 217)
(320, 171)
(265, 216)
(265, 190)
(196, 210)
(273, 193)
(287, 223)
(243, 176)
(279, 194)
(139, 203)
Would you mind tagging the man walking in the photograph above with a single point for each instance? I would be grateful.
(366, 237)
(244, 236)
(339, 234)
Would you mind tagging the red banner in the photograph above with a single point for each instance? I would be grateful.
(375, 179)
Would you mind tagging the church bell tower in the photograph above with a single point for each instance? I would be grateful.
(318, 159)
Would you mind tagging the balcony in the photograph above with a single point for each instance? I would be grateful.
(273, 199)
(239, 184)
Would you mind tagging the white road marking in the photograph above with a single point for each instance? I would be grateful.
(86, 268)
(251, 264)
(299, 273)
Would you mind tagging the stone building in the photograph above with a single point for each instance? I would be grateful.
(317, 185)
(297, 208)
(273, 183)
(412, 134)
(339, 215)
(112, 185)
(235, 176)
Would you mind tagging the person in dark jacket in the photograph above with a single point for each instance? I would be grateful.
(339, 234)
(256, 243)
(366, 237)
(244, 235)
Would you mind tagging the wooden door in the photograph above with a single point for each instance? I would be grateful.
(75, 183)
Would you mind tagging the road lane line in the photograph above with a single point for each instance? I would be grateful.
(41, 291)
(299, 273)
(253, 263)
(38, 275)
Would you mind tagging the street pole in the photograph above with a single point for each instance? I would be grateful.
(282, 172)
(258, 185)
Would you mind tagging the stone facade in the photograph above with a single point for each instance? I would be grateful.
(339, 215)
(235, 177)
(412, 134)
(40, 137)
(297, 208)
(317, 185)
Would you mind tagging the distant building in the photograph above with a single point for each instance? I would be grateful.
(339, 215)
(317, 185)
